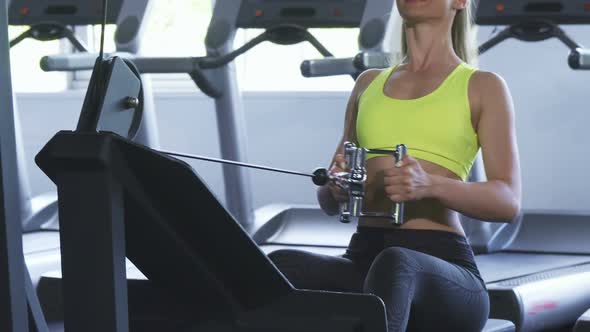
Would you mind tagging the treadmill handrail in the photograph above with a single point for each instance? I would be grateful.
(146, 65)
(580, 59)
(347, 66)
(328, 67)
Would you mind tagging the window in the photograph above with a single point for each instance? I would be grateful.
(179, 27)
(27, 75)
(173, 28)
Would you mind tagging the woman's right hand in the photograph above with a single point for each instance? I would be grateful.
(340, 194)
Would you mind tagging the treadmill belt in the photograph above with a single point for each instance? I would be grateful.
(40, 241)
(507, 265)
(493, 267)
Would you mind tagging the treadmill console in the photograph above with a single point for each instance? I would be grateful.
(266, 14)
(66, 12)
(509, 12)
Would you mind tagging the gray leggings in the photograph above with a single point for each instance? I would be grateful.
(427, 279)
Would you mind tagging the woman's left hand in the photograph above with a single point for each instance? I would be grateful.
(408, 182)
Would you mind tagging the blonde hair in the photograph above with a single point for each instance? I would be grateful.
(462, 35)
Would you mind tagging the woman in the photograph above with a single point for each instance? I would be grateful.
(444, 110)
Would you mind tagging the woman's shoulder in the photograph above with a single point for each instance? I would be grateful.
(488, 88)
(485, 81)
(366, 78)
(370, 74)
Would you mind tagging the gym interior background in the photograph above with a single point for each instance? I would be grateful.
(539, 263)
(295, 122)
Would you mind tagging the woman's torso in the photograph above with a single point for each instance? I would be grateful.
(399, 87)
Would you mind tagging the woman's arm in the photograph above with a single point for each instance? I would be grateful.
(499, 198)
(325, 197)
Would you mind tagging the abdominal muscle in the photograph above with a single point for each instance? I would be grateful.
(427, 214)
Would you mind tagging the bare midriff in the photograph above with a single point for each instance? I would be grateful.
(427, 214)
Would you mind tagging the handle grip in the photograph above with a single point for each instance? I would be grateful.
(398, 209)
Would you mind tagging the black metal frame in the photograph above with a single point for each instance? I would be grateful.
(47, 32)
(13, 310)
(19, 306)
(93, 250)
(530, 31)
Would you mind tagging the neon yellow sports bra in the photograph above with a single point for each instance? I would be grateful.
(436, 127)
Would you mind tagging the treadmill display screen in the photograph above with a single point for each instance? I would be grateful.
(508, 12)
(306, 13)
(66, 12)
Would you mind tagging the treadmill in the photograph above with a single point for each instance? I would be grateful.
(18, 302)
(538, 275)
(39, 215)
(51, 21)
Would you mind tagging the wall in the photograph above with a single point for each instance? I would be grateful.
(300, 131)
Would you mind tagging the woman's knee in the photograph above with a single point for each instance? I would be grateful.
(395, 260)
(392, 267)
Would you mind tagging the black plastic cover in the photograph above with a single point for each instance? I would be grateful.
(508, 12)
